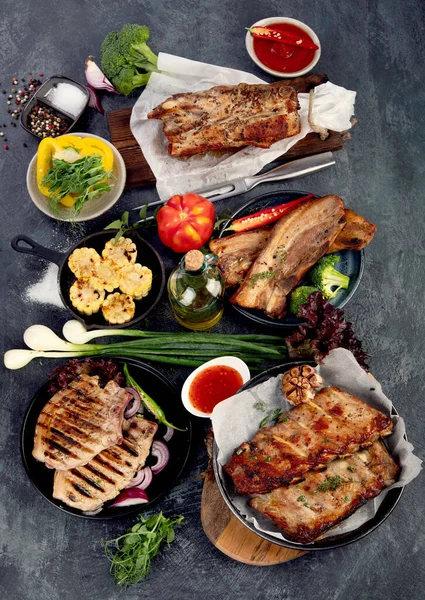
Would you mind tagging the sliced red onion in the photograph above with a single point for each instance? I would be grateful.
(134, 404)
(142, 479)
(91, 513)
(94, 100)
(96, 78)
(161, 452)
(168, 434)
(131, 496)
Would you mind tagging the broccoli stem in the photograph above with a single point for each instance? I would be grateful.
(143, 52)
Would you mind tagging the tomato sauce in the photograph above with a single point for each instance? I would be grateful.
(212, 385)
(283, 57)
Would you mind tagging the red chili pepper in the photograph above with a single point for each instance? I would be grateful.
(266, 216)
(264, 33)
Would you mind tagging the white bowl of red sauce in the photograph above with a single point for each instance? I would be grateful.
(213, 382)
(291, 50)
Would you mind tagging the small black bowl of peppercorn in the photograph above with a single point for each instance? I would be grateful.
(55, 108)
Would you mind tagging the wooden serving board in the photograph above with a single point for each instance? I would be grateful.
(232, 538)
(139, 173)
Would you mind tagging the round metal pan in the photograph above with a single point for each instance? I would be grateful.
(146, 255)
(157, 386)
(226, 487)
(351, 262)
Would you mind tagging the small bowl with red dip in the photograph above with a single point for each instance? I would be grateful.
(213, 382)
(283, 47)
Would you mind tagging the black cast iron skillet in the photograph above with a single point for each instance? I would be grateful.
(146, 255)
(226, 487)
(158, 387)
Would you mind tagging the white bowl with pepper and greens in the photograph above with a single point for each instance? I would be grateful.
(75, 177)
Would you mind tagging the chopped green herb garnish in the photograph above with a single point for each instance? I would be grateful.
(282, 419)
(264, 421)
(351, 469)
(240, 450)
(260, 405)
(306, 504)
(252, 457)
(300, 498)
(346, 499)
(330, 484)
(254, 279)
(325, 440)
(268, 459)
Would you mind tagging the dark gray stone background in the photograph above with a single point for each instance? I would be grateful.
(374, 47)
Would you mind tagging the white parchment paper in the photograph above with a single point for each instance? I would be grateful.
(237, 420)
(333, 107)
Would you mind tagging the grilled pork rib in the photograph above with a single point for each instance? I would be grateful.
(79, 422)
(89, 486)
(297, 242)
(237, 252)
(310, 435)
(228, 117)
(307, 509)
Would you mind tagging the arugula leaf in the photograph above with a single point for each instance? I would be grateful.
(130, 554)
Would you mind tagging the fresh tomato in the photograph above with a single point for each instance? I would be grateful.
(186, 222)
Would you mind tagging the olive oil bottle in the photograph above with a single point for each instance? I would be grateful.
(196, 290)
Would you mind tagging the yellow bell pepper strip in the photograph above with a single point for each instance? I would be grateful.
(51, 148)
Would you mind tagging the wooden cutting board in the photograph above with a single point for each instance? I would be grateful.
(139, 173)
(232, 538)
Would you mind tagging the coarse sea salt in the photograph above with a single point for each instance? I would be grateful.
(45, 291)
(67, 97)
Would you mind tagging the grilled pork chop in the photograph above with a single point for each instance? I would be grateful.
(237, 252)
(310, 435)
(79, 422)
(229, 116)
(87, 487)
(306, 510)
(297, 242)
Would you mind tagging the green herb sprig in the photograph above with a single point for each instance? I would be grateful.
(330, 484)
(123, 226)
(131, 554)
(254, 279)
(85, 178)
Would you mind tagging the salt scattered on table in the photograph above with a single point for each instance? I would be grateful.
(45, 291)
(67, 97)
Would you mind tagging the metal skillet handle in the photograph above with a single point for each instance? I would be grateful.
(36, 249)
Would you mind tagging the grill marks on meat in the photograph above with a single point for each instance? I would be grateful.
(297, 242)
(88, 486)
(229, 117)
(78, 422)
(309, 436)
(306, 510)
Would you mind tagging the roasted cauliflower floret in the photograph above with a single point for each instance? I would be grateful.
(87, 295)
(123, 253)
(108, 273)
(118, 308)
(136, 281)
(82, 262)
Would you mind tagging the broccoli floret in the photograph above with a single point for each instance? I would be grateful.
(299, 296)
(126, 58)
(325, 276)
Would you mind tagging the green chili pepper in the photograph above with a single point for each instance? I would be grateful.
(148, 402)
